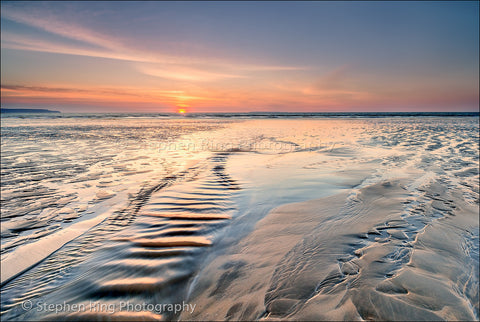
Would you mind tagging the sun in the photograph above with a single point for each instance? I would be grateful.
(181, 111)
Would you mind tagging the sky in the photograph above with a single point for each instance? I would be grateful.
(233, 56)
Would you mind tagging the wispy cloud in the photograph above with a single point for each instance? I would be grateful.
(339, 85)
(14, 93)
(192, 72)
(14, 40)
(339, 79)
(92, 43)
(58, 90)
(45, 20)
(152, 93)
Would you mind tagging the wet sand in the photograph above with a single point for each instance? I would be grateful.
(349, 258)
(347, 219)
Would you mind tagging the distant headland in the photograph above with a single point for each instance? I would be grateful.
(26, 110)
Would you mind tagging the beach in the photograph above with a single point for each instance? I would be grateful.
(353, 217)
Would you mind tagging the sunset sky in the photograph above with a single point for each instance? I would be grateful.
(240, 56)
